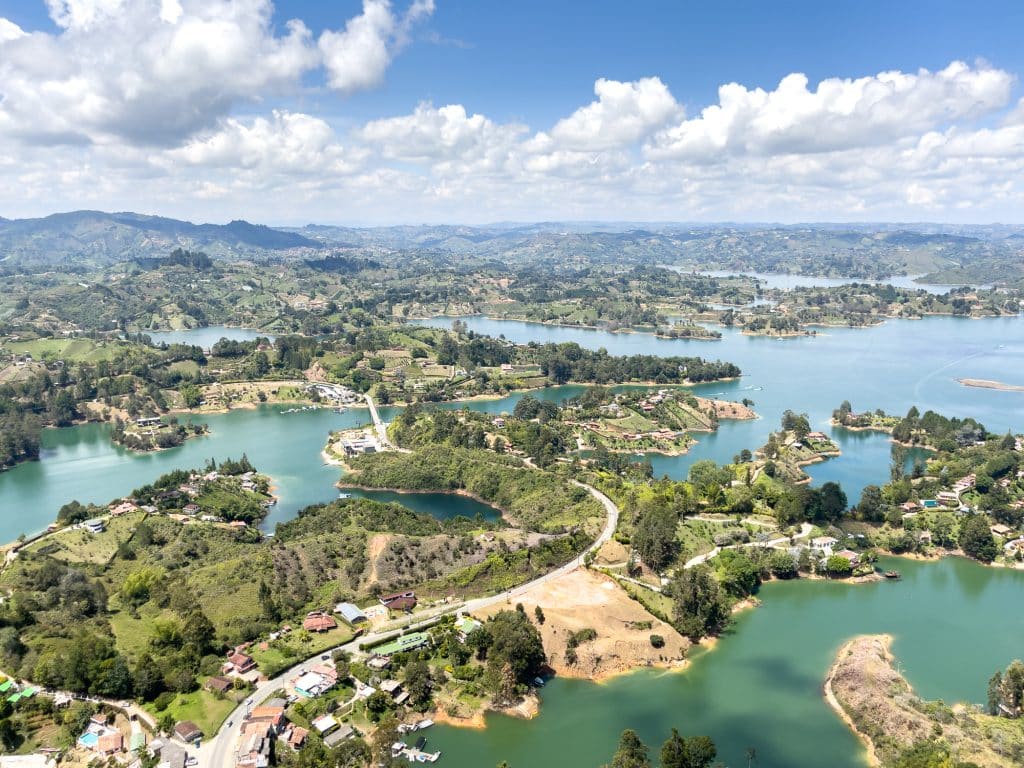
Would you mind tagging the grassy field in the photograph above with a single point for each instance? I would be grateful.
(80, 546)
(201, 707)
(74, 350)
(298, 646)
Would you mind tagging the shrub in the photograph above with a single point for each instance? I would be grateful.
(657, 641)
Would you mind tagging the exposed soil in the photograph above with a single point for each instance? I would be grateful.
(878, 704)
(586, 599)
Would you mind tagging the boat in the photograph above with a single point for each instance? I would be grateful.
(891, 574)
(423, 724)
(344, 495)
(421, 742)
(539, 682)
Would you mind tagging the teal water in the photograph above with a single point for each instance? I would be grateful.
(891, 366)
(788, 282)
(761, 686)
(443, 506)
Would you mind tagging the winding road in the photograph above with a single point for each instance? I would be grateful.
(219, 751)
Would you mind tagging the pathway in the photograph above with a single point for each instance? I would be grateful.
(805, 531)
(219, 751)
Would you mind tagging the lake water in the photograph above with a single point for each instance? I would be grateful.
(788, 282)
(891, 367)
(443, 506)
(761, 686)
(206, 337)
(954, 621)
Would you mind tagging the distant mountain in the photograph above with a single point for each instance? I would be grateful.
(95, 238)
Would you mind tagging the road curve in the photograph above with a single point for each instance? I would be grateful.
(219, 751)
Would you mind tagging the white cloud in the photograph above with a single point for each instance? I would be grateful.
(287, 142)
(937, 145)
(357, 57)
(838, 114)
(623, 113)
(443, 134)
(155, 72)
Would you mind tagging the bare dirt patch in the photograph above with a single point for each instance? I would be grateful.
(585, 599)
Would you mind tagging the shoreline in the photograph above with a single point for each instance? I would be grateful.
(873, 759)
(999, 386)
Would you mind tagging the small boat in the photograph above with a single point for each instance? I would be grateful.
(539, 682)
(423, 724)
(891, 574)
(421, 742)
(344, 495)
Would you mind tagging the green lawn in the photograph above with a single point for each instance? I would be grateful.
(298, 646)
(201, 707)
(80, 546)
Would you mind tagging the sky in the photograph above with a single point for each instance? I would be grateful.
(365, 112)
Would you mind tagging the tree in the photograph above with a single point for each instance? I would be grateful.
(191, 395)
(837, 565)
(418, 683)
(995, 692)
(694, 752)
(699, 605)
(385, 735)
(515, 648)
(539, 613)
(655, 537)
(976, 539)
(632, 753)
(870, 505)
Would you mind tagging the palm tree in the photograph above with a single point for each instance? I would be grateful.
(751, 756)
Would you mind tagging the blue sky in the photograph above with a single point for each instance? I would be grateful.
(471, 111)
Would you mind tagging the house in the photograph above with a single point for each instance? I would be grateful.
(239, 663)
(271, 717)
(817, 436)
(404, 604)
(324, 725)
(498, 421)
(339, 735)
(850, 556)
(255, 746)
(391, 687)
(148, 421)
(378, 663)
(319, 621)
(295, 737)
(313, 684)
(824, 544)
(191, 509)
(110, 743)
(95, 525)
(949, 498)
(409, 642)
(1000, 530)
(188, 731)
(169, 754)
(909, 507)
(219, 684)
(350, 613)
(122, 509)
(465, 625)
(399, 601)
(924, 537)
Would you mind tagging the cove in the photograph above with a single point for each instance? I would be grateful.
(761, 685)
(443, 506)
(891, 366)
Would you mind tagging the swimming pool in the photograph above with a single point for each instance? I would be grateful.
(89, 739)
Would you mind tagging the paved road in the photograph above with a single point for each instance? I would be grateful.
(219, 751)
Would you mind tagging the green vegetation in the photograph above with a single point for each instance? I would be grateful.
(676, 752)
